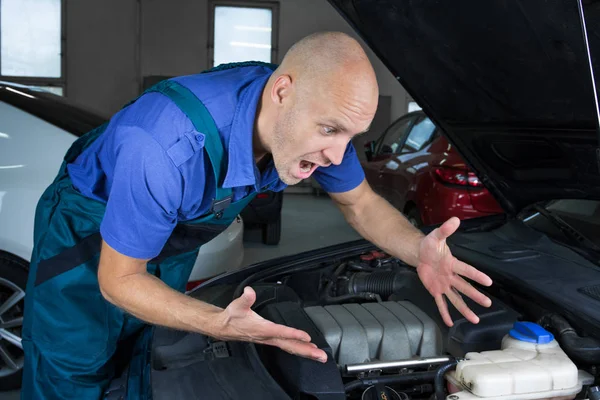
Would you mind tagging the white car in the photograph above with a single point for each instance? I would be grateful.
(36, 129)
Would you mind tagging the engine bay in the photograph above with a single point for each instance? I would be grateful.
(381, 329)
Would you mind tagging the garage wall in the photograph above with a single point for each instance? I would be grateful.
(303, 17)
(102, 53)
(104, 71)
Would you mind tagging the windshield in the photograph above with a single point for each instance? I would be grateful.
(583, 215)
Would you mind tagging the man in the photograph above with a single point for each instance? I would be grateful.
(119, 229)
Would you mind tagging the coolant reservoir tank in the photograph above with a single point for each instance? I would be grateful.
(530, 365)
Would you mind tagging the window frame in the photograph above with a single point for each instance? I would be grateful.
(273, 5)
(410, 117)
(45, 81)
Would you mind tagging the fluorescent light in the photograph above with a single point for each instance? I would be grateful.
(252, 28)
(19, 92)
(255, 45)
(4, 135)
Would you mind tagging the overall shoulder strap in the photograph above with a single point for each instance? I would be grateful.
(222, 67)
(203, 122)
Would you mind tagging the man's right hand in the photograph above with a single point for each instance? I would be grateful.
(239, 322)
(125, 283)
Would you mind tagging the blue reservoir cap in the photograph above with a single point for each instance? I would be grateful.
(530, 332)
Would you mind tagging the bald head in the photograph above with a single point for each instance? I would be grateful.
(326, 58)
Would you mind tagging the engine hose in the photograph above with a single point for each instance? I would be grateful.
(439, 382)
(326, 297)
(358, 267)
(585, 350)
(404, 379)
(383, 283)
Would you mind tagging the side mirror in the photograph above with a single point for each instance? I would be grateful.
(369, 150)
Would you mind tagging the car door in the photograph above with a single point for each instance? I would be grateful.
(386, 147)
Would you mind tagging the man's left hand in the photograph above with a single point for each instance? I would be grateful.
(442, 274)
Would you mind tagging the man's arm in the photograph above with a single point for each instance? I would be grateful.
(441, 273)
(380, 223)
(125, 283)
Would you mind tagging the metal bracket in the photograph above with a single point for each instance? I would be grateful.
(218, 206)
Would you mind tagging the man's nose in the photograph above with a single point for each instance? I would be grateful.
(335, 154)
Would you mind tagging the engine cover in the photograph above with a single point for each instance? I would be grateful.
(387, 331)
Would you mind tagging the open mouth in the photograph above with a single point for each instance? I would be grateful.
(306, 168)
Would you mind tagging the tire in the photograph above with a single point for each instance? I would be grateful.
(272, 232)
(13, 279)
(414, 216)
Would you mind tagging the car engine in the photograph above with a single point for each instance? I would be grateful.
(384, 337)
(390, 330)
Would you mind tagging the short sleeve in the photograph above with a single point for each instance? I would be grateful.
(144, 198)
(343, 177)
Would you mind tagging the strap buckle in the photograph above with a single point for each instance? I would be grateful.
(218, 206)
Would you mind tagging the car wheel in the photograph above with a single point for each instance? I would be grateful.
(13, 278)
(414, 217)
(272, 232)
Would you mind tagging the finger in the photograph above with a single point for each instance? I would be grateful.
(468, 290)
(443, 307)
(300, 349)
(462, 307)
(472, 273)
(246, 300)
(276, 331)
(447, 228)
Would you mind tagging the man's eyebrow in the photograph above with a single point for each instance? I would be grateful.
(335, 124)
(339, 126)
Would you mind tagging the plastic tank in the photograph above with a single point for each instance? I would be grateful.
(530, 365)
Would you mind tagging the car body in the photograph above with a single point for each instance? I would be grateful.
(265, 211)
(508, 84)
(36, 129)
(420, 173)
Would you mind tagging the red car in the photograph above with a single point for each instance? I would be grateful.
(416, 169)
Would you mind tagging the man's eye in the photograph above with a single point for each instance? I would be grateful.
(327, 130)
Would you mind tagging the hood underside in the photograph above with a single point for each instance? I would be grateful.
(507, 81)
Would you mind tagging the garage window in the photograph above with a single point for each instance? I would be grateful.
(242, 31)
(31, 33)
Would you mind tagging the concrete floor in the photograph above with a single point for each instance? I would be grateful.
(309, 222)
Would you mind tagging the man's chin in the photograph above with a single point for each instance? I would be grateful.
(289, 180)
(285, 174)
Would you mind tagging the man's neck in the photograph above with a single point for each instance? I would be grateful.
(259, 148)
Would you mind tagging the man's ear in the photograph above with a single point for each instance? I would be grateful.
(283, 88)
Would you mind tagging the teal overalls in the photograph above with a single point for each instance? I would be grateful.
(70, 332)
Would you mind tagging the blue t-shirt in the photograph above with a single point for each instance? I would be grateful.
(150, 169)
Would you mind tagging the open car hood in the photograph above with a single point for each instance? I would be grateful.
(507, 81)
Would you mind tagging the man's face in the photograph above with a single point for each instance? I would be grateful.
(315, 127)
